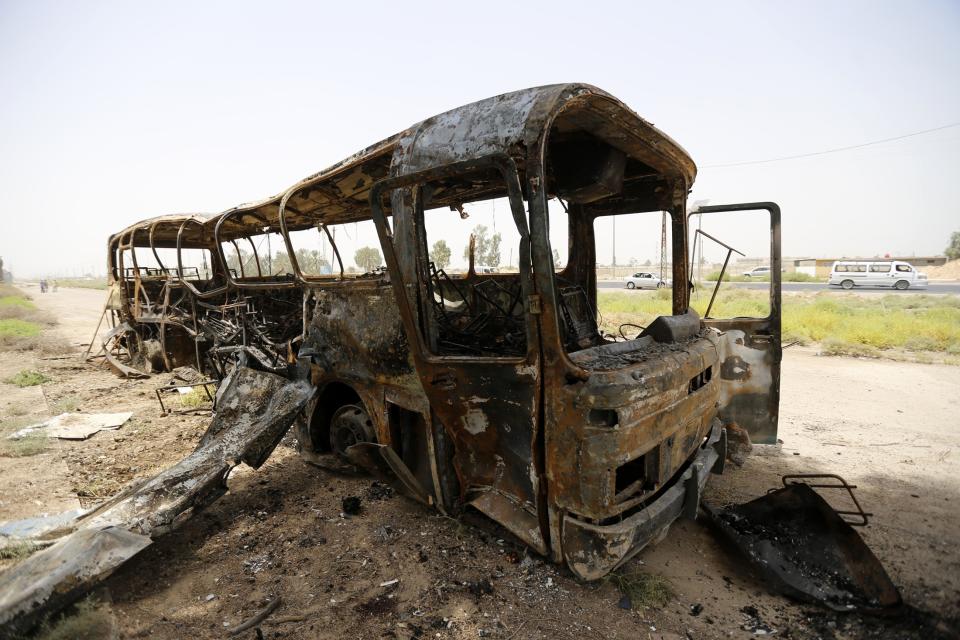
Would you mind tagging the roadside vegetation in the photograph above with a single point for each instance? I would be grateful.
(20, 320)
(82, 283)
(793, 276)
(842, 324)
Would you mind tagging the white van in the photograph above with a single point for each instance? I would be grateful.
(884, 273)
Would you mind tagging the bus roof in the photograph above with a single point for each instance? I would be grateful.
(517, 124)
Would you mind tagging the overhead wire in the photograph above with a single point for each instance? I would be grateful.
(826, 151)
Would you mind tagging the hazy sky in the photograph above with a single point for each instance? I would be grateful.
(114, 112)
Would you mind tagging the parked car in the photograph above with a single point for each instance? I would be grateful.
(758, 272)
(644, 280)
(885, 273)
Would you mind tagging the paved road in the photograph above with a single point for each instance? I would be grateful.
(936, 288)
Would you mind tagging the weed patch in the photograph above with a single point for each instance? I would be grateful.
(97, 488)
(644, 590)
(27, 378)
(85, 620)
(29, 445)
(18, 550)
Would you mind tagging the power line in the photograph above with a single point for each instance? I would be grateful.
(838, 149)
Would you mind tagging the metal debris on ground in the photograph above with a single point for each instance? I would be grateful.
(75, 426)
(255, 411)
(806, 550)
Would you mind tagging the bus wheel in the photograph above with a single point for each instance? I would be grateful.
(901, 285)
(847, 284)
(630, 285)
(349, 425)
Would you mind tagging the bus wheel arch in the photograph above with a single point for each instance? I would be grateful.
(330, 399)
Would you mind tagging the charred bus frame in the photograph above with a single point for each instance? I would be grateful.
(491, 391)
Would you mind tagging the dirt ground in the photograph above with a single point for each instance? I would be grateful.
(400, 570)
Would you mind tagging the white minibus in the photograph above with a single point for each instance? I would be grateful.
(882, 273)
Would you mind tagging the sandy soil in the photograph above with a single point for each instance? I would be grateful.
(890, 428)
(948, 271)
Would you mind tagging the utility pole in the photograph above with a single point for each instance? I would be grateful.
(613, 241)
(663, 242)
(269, 253)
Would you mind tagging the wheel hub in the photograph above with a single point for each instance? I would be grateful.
(349, 425)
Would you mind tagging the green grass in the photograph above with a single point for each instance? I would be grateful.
(841, 323)
(27, 378)
(21, 323)
(17, 328)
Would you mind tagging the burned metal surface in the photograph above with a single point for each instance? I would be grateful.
(807, 551)
(750, 349)
(255, 410)
(491, 391)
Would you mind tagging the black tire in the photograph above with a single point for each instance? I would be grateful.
(847, 284)
(901, 285)
(661, 285)
(631, 285)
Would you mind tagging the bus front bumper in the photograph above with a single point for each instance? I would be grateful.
(592, 551)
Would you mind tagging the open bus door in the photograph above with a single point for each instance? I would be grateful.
(750, 352)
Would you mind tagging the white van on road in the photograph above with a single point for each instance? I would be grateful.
(883, 273)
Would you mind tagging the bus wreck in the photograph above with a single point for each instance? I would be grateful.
(495, 391)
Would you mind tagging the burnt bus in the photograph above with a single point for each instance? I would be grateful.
(488, 389)
(175, 300)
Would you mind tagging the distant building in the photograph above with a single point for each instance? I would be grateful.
(820, 267)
